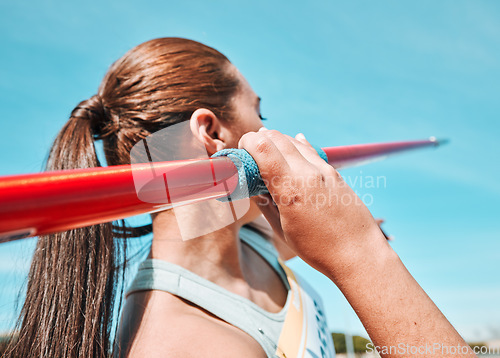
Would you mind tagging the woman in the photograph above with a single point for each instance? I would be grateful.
(169, 311)
(72, 282)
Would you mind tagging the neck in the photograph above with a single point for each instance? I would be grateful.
(186, 239)
(182, 239)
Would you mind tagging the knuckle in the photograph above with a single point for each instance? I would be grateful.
(246, 139)
(273, 133)
(262, 145)
(316, 178)
(320, 178)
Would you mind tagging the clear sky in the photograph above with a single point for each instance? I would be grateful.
(340, 72)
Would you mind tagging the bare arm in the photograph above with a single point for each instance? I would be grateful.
(329, 227)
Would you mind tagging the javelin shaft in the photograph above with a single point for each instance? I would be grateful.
(352, 155)
(43, 203)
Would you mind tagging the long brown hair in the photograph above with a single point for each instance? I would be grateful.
(73, 278)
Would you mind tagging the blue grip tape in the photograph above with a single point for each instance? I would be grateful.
(250, 182)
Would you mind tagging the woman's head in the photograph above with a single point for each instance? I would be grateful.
(162, 82)
(68, 309)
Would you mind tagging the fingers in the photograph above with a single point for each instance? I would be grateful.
(307, 150)
(264, 152)
(301, 144)
(288, 146)
(291, 168)
(277, 158)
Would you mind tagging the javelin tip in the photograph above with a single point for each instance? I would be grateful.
(439, 142)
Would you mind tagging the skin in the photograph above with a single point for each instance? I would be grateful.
(156, 323)
(344, 242)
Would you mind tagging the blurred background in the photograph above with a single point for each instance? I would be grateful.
(341, 73)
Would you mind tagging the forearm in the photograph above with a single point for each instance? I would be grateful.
(396, 312)
(330, 228)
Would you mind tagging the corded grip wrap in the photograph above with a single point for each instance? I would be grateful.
(250, 182)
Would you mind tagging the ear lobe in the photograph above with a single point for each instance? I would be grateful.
(206, 127)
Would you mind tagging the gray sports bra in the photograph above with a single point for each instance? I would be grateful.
(264, 327)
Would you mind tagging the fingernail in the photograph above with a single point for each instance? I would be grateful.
(262, 129)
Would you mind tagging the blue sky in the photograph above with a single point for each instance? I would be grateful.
(340, 72)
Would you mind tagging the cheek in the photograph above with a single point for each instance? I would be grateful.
(252, 123)
(233, 135)
(243, 127)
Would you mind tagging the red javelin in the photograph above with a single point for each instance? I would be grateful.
(43, 203)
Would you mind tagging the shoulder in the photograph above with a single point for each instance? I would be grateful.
(158, 324)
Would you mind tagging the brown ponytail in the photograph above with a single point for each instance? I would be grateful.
(72, 278)
(72, 283)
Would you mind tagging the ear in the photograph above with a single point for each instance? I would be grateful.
(206, 127)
